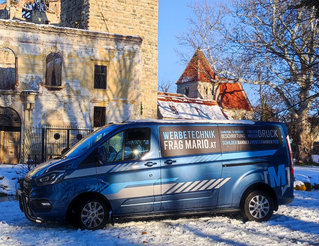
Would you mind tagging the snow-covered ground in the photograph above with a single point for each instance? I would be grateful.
(307, 175)
(293, 224)
(9, 175)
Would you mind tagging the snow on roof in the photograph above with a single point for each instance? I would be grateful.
(197, 121)
(66, 30)
(178, 106)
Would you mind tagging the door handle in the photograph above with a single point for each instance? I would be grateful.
(169, 162)
(150, 164)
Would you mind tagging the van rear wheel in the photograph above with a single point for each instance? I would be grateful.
(92, 214)
(258, 206)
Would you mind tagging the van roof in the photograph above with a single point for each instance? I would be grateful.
(181, 121)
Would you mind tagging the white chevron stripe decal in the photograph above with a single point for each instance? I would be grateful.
(175, 188)
(199, 185)
(207, 184)
(191, 186)
(183, 187)
(222, 183)
(171, 188)
(214, 184)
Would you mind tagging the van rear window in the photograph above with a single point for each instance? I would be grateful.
(194, 140)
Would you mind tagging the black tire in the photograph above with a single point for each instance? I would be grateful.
(257, 206)
(92, 214)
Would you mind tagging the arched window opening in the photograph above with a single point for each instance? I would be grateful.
(54, 70)
(7, 69)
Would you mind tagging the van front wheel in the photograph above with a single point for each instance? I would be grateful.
(258, 206)
(92, 214)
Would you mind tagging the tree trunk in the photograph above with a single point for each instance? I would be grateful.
(302, 140)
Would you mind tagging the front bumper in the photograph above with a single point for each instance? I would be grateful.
(24, 207)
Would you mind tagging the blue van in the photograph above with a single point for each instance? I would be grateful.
(151, 167)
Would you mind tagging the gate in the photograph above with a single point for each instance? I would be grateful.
(10, 130)
(42, 144)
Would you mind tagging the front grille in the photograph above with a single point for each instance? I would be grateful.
(27, 188)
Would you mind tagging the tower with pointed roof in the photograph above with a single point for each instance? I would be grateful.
(199, 80)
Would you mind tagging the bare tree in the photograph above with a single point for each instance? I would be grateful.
(308, 4)
(266, 42)
(165, 87)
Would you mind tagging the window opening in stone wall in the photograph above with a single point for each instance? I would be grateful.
(100, 73)
(99, 116)
(7, 69)
(54, 70)
(186, 91)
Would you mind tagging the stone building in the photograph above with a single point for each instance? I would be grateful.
(200, 81)
(97, 65)
(126, 17)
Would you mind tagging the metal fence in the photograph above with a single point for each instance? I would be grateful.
(41, 144)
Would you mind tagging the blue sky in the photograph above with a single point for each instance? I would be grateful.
(173, 15)
(173, 21)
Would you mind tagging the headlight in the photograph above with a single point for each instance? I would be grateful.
(50, 178)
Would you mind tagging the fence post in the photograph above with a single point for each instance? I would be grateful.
(68, 139)
(43, 145)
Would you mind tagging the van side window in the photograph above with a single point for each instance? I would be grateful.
(113, 148)
(137, 143)
(131, 144)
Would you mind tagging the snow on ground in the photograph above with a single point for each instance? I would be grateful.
(9, 175)
(307, 174)
(293, 224)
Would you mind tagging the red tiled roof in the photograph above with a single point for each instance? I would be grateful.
(233, 96)
(198, 69)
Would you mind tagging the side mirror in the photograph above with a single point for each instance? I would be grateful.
(100, 154)
(64, 151)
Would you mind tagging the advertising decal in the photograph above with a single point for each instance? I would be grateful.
(194, 140)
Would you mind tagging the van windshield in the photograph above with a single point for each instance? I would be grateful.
(87, 142)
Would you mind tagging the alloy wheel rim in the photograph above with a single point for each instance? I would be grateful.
(259, 206)
(92, 214)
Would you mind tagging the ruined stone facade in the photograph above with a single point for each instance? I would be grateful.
(127, 17)
(51, 76)
(78, 77)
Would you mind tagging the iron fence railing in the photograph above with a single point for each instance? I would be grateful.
(43, 143)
